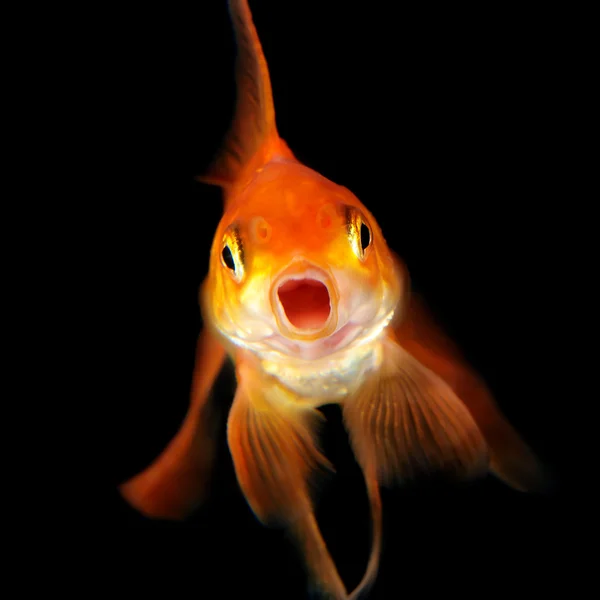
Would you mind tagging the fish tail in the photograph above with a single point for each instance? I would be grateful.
(252, 139)
(175, 483)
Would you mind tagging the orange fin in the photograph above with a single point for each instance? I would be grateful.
(510, 458)
(376, 536)
(271, 438)
(175, 483)
(252, 138)
(405, 419)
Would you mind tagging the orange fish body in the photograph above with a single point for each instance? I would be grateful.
(306, 298)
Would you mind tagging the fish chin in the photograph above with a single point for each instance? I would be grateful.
(315, 349)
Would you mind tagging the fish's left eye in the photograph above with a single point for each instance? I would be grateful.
(359, 232)
(365, 236)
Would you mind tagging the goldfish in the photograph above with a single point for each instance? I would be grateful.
(305, 297)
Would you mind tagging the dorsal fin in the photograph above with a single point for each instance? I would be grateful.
(252, 139)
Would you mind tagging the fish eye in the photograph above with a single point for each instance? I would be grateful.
(365, 236)
(232, 254)
(359, 232)
(228, 258)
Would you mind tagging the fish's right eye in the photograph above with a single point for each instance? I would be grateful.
(228, 258)
(232, 254)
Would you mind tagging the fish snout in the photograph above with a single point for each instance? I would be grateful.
(304, 300)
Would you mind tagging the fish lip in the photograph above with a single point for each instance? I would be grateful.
(300, 268)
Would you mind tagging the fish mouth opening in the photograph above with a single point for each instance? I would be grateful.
(306, 303)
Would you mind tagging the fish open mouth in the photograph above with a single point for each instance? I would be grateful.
(306, 303)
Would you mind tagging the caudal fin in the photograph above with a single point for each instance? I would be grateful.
(252, 139)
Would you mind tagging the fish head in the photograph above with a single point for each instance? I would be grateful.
(300, 266)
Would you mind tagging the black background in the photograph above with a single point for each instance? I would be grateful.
(447, 124)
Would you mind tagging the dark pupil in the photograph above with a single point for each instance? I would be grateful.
(228, 258)
(365, 236)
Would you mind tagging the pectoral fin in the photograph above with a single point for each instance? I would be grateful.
(510, 458)
(404, 420)
(271, 438)
(175, 483)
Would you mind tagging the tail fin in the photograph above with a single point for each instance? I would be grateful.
(252, 139)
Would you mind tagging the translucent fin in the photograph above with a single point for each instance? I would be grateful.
(271, 438)
(510, 458)
(175, 483)
(376, 536)
(404, 420)
(252, 138)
